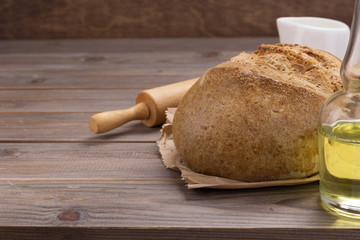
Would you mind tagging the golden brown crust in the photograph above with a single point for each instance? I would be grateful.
(254, 118)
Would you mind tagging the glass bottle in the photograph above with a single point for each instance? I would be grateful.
(339, 134)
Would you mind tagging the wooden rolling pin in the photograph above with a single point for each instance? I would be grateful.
(150, 108)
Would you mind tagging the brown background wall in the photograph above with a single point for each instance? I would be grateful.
(47, 19)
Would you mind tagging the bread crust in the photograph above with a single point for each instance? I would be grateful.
(254, 118)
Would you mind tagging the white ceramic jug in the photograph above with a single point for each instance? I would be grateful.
(319, 33)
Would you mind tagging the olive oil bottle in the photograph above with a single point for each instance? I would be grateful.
(339, 135)
(340, 165)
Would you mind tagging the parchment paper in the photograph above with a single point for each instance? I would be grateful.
(172, 160)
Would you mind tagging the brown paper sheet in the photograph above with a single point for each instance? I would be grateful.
(172, 160)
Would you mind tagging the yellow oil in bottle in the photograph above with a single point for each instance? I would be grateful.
(339, 150)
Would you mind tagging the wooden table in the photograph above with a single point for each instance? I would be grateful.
(59, 181)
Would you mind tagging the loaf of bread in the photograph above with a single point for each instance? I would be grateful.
(254, 118)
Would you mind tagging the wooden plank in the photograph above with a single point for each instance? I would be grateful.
(83, 162)
(113, 60)
(162, 204)
(67, 127)
(134, 46)
(44, 65)
(129, 78)
(110, 71)
(91, 101)
(165, 233)
(157, 18)
(123, 70)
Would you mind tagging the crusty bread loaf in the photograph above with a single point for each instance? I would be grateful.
(254, 118)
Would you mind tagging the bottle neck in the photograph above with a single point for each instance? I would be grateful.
(350, 68)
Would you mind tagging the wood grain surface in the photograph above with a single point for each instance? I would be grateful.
(59, 181)
(113, 64)
(43, 19)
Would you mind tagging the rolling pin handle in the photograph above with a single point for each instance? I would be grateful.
(106, 121)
